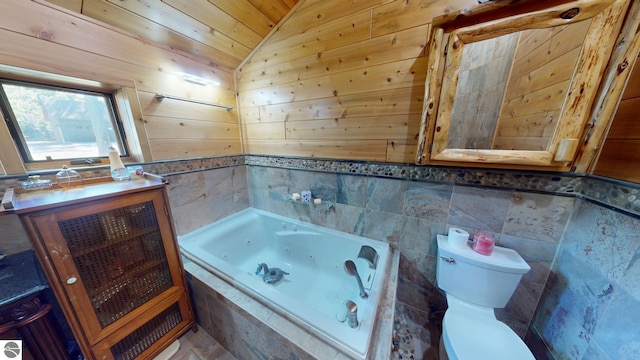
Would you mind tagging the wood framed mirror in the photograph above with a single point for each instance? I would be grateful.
(512, 82)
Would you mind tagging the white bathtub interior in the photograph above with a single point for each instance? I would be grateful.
(317, 287)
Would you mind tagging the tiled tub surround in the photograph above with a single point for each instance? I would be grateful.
(577, 314)
(409, 215)
(556, 321)
(250, 330)
(315, 288)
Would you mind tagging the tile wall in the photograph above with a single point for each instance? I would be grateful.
(201, 197)
(590, 308)
(579, 234)
(409, 215)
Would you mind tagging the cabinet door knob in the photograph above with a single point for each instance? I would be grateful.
(72, 280)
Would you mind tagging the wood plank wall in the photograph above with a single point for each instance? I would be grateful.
(542, 68)
(340, 79)
(620, 154)
(221, 31)
(41, 36)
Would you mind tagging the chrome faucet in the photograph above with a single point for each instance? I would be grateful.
(350, 268)
(352, 314)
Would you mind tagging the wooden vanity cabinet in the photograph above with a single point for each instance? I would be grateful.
(110, 254)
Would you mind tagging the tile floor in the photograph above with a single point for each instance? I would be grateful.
(416, 336)
(200, 346)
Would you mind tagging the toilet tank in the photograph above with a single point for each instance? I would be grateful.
(480, 279)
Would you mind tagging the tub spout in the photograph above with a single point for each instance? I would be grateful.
(352, 314)
(350, 268)
(370, 255)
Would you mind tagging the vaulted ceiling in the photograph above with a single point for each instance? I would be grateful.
(222, 31)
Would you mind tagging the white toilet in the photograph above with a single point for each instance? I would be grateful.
(476, 284)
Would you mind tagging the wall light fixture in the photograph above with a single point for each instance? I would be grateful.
(198, 80)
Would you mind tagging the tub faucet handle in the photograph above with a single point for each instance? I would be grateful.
(352, 313)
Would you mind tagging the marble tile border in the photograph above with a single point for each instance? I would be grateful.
(618, 195)
(560, 183)
(614, 193)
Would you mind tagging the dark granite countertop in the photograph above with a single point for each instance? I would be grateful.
(20, 276)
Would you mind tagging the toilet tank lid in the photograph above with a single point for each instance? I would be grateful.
(501, 259)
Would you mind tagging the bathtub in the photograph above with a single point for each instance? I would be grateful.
(317, 286)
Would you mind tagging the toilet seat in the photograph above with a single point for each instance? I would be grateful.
(467, 336)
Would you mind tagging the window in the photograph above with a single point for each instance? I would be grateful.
(58, 123)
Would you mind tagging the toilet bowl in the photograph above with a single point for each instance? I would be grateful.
(474, 285)
(478, 335)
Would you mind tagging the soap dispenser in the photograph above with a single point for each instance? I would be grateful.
(118, 171)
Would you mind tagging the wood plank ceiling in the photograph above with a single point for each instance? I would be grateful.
(224, 32)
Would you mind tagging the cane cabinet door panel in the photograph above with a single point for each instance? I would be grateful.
(112, 258)
(165, 317)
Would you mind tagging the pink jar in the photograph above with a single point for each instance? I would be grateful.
(483, 242)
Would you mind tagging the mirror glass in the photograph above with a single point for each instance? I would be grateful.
(511, 88)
